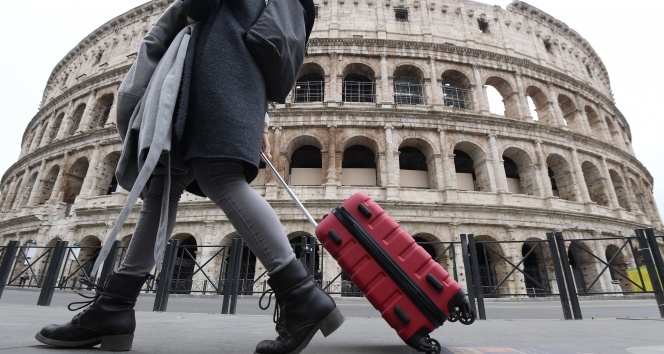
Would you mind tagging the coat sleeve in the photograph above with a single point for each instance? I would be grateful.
(200, 9)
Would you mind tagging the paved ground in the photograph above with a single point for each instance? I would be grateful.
(363, 332)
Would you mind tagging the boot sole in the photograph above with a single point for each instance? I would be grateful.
(327, 326)
(113, 343)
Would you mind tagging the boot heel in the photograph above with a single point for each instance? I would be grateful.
(331, 322)
(117, 343)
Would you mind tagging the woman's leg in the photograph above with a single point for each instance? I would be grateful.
(251, 215)
(139, 260)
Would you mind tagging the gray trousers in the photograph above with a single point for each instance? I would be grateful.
(223, 182)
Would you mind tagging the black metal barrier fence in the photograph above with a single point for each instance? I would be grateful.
(555, 267)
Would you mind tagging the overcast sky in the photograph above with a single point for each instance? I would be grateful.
(39, 33)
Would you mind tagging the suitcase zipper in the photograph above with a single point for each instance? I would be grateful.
(394, 271)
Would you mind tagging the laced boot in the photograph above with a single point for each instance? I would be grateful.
(302, 309)
(108, 319)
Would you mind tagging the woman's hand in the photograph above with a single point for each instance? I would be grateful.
(266, 146)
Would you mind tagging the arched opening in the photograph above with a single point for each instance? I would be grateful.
(74, 181)
(86, 254)
(618, 267)
(39, 135)
(520, 172)
(306, 166)
(358, 84)
(47, 185)
(502, 98)
(102, 111)
(185, 262)
(407, 84)
(615, 135)
(595, 183)
(595, 123)
(358, 167)
(471, 168)
(456, 90)
(539, 105)
(55, 127)
(562, 180)
(640, 201)
(413, 171)
(75, 120)
(427, 246)
(45, 260)
(534, 269)
(620, 189)
(571, 113)
(492, 267)
(28, 191)
(309, 88)
(106, 181)
(14, 195)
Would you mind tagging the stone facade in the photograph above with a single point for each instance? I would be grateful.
(404, 81)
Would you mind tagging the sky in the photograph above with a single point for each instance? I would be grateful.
(39, 33)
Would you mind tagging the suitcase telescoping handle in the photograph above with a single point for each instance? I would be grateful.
(290, 192)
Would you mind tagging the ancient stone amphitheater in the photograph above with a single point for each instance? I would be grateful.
(394, 99)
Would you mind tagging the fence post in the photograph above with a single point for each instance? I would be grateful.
(562, 290)
(7, 262)
(166, 276)
(48, 286)
(656, 254)
(569, 280)
(311, 254)
(652, 272)
(232, 278)
(477, 279)
(109, 263)
(470, 285)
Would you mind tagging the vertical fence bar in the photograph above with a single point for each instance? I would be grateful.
(311, 255)
(109, 263)
(656, 254)
(477, 278)
(562, 290)
(569, 280)
(470, 285)
(166, 276)
(7, 262)
(230, 274)
(236, 275)
(652, 272)
(48, 286)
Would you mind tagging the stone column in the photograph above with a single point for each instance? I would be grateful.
(609, 185)
(557, 112)
(332, 94)
(584, 117)
(37, 186)
(65, 121)
(497, 164)
(522, 101)
(332, 175)
(480, 92)
(631, 198)
(600, 252)
(543, 169)
(606, 134)
(25, 180)
(580, 181)
(391, 165)
(436, 98)
(384, 82)
(91, 178)
(86, 120)
(271, 182)
(458, 259)
(518, 285)
(11, 188)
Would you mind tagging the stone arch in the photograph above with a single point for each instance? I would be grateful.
(492, 265)
(45, 261)
(408, 85)
(534, 266)
(14, 195)
(541, 105)
(620, 188)
(358, 83)
(359, 164)
(75, 120)
(583, 266)
(524, 181)
(416, 164)
(28, 190)
(471, 167)
(618, 266)
(456, 89)
(615, 135)
(185, 264)
(638, 195)
(571, 113)
(595, 183)
(305, 161)
(102, 111)
(562, 179)
(87, 256)
(106, 183)
(596, 127)
(55, 127)
(627, 138)
(74, 180)
(310, 84)
(438, 251)
(506, 92)
(47, 185)
(39, 135)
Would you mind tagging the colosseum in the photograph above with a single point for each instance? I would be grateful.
(394, 99)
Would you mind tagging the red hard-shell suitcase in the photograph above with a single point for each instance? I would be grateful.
(414, 294)
(400, 279)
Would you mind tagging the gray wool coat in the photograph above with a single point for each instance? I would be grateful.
(222, 102)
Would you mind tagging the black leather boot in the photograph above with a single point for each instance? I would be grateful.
(302, 309)
(109, 320)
